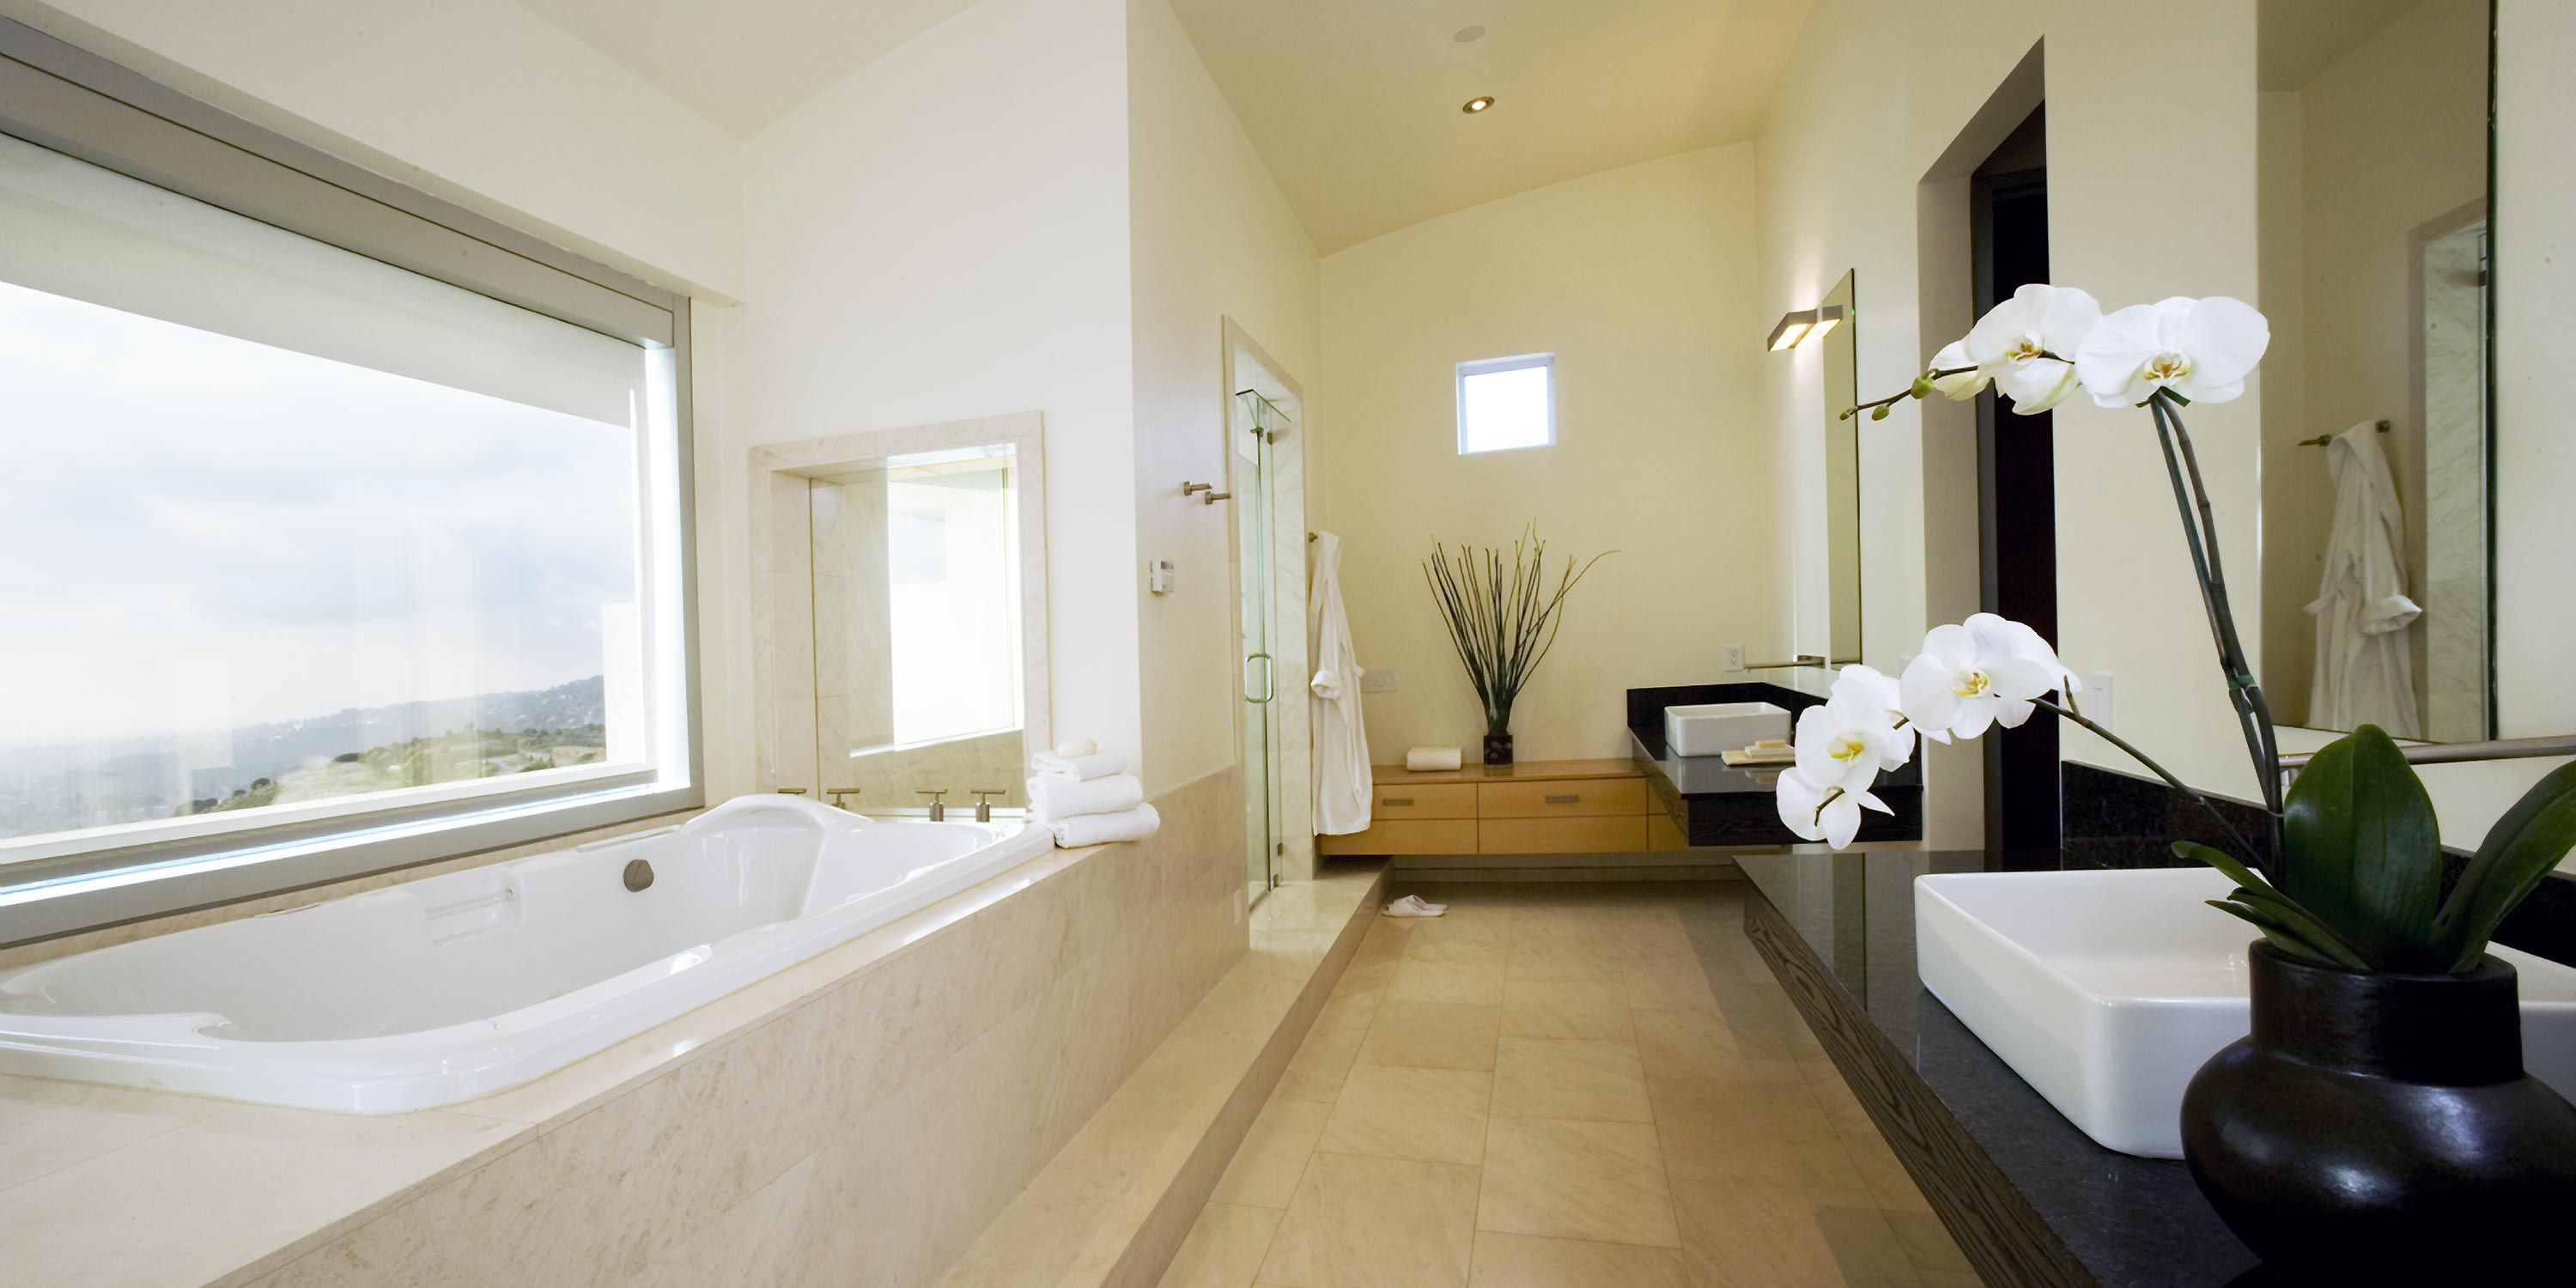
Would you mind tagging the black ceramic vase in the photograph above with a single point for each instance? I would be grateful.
(2381, 1126)
(1498, 747)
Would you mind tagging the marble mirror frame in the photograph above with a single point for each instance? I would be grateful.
(784, 735)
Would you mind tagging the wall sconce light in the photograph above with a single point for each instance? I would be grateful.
(1802, 325)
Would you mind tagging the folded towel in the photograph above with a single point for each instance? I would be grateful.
(1099, 764)
(1072, 747)
(1100, 829)
(1428, 759)
(1055, 798)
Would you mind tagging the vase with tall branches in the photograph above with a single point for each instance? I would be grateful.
(1502, 619)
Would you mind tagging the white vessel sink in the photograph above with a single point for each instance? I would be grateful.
(2106, 991)
(1714, 727)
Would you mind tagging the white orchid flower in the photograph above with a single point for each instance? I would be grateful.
(2004, 635)
(2202, 349)
(1838, 752)
(1828, 814)
(1965, 682)
(1966, 384)
(1863, 698)
(2026, 344)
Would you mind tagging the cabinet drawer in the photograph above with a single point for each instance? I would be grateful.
(1595, 835)
(1405, 836)
(1565, 797)
(1425, 800)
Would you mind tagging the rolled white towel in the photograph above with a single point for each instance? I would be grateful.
(1056, 798)
(1423, 760)
(1072, 747)
(1099, 764)
(1100, 829)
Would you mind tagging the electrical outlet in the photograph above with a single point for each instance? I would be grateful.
(1735, 657)
(1378, 679)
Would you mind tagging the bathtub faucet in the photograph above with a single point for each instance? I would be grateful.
(938, 807)
(984, 803)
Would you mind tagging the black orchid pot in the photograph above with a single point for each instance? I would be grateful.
(2382, 1125)
(1498, 747)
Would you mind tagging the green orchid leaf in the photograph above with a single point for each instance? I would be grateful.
(2363, 850)
(2236, 869)
(2252, 889)
(2520, 849)
(2277, 933)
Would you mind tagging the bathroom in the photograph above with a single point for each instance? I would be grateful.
(837, 707)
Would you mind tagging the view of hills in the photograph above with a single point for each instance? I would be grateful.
(62, 787)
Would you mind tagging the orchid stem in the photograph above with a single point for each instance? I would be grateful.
(2069, 713)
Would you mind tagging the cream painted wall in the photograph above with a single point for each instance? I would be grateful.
(939, 236)
(1640, 280)
(480, 101)
(2134, 217)
(1210, 236)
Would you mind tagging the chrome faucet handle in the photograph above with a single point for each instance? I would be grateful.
(840, 796)
(938, 807)
(984, 802)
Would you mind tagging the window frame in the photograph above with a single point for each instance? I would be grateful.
(58, 96)
(1496, 366)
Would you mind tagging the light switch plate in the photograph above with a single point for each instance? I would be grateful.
(1160, 575)
(2095, 700)
(1378, 679)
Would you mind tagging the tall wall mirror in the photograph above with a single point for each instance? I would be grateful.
(2378, 598)
(1841, 367)
(904, 609)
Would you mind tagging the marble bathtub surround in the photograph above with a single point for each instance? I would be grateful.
(1708, 1144)
(875, 1106)
(812, 703)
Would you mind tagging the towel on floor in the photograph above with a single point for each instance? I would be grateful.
(1100, 829)
(1099, 764)
(1055, 798)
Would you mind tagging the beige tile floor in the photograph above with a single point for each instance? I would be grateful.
(1564, 1087)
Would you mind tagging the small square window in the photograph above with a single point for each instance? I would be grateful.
(1505, 403)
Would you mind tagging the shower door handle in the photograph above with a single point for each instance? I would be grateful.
(1269, 677)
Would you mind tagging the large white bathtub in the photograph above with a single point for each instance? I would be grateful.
(452, 987)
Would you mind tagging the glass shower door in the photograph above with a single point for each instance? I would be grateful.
(1254, 422)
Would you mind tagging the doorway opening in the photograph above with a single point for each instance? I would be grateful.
(2017, 495)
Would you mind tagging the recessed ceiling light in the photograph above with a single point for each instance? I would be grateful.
(1468, 34)
(1477, 104)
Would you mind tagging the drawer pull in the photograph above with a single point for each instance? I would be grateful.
(1567, 799)
(1395, 800)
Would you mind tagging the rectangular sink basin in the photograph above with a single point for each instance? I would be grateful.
(1715, 727)
(2106, 991)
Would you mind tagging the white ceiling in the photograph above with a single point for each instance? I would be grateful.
(2296, 39)
(1354, 103)
(745, 63)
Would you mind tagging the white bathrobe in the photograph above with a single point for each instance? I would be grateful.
(2364, 674)
(1342, 785)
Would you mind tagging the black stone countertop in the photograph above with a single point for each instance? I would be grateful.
(1714, 803)
(2125, 1220)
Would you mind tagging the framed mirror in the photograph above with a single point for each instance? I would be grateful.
(1841, 366)
(2373, 120)
(899, 584)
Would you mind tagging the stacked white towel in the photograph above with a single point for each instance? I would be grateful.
(1085, 796)
(1080, 769)
(1073, 798)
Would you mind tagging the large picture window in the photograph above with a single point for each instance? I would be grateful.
(297, 544)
